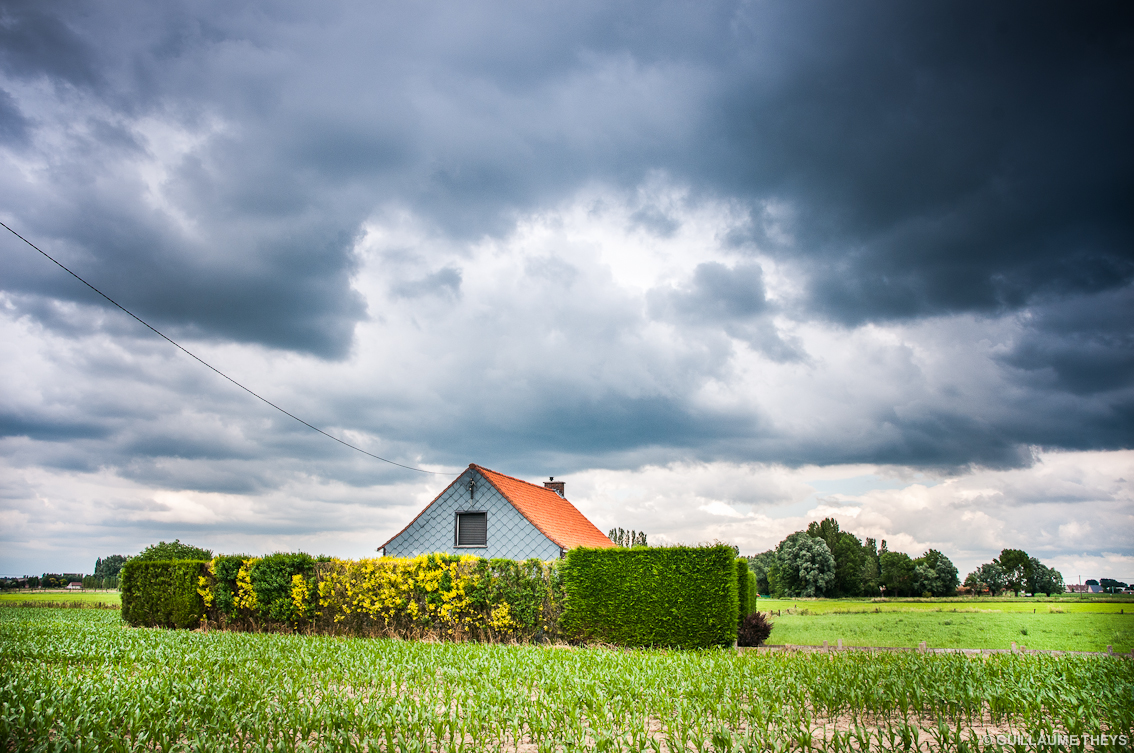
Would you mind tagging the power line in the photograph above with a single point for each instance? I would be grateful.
(205, 363)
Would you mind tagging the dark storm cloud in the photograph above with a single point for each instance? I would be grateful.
(943, 157)
(50, 429)
(718, 293)
(37, 40)
(905, 160)
(1084, 347)
(13, 124)
(940, 157)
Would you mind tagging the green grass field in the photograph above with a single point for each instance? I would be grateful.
(1043, 605)
(968, 623)
(93, 597)
(1058, 632)
(77, 679)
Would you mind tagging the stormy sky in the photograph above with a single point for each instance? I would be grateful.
(724, 267)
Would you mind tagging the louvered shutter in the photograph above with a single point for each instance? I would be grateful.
(472, 529)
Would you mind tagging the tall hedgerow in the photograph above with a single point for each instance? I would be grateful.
(683, 597)
(745, 584)
(162, 593)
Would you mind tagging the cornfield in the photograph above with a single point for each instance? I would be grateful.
(73, 680)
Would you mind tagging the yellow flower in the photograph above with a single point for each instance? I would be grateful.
(245, 594)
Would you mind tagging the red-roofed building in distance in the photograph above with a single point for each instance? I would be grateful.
(492, 515)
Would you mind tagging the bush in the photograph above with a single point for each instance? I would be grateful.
(440, 596)
(754, 630)
(273, 582)
(162, 594)
(745, 590)
(684, 597)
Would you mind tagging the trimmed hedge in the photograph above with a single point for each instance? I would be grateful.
(682, 597)
(440, 596)
(162, 594)
(257, 592)
(745, 590)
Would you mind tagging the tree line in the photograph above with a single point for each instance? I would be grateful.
(1014, 570)
(827, 561)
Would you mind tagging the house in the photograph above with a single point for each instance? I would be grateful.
(1076, 588)
(492, 515)
(74, 586)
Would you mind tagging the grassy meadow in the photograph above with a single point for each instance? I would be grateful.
(77, 679)
(1007, 604)
(58, 595)
(1062, 625)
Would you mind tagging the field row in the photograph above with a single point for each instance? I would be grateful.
(78, 679)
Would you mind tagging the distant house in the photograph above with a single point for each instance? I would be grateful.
(1078, 588)
(488, 514)
(74, 586)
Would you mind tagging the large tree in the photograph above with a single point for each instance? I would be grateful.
(897, 573)
(988, 576)
(804, 567)
(1016, 565)
(848, 553)
(935, 574)
(760, 564)
(108, 567)
(1044, 580)
(871, 576)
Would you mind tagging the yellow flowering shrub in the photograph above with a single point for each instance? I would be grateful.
(501, 619)
(245, 594)
(299, 593)
(205, 585)
(439, 595)
(436, 595)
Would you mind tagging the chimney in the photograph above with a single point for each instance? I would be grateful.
(555, 486)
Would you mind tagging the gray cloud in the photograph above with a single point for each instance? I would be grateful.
(445, 281)
(901, 235)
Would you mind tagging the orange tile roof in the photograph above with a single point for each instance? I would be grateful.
(554, 516)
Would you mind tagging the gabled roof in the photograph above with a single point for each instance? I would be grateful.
(554, 516)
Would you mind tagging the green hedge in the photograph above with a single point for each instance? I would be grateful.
(745, 590)
(683, 597)
(439, 596)
(531, 588)
(162, 594)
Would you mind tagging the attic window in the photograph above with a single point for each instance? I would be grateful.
(472, 529)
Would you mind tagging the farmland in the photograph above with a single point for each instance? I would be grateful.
(77, 679)
(1071, 625)
(1054, 605)
(84, 597)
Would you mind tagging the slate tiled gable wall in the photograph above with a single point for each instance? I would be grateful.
(510, 535)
